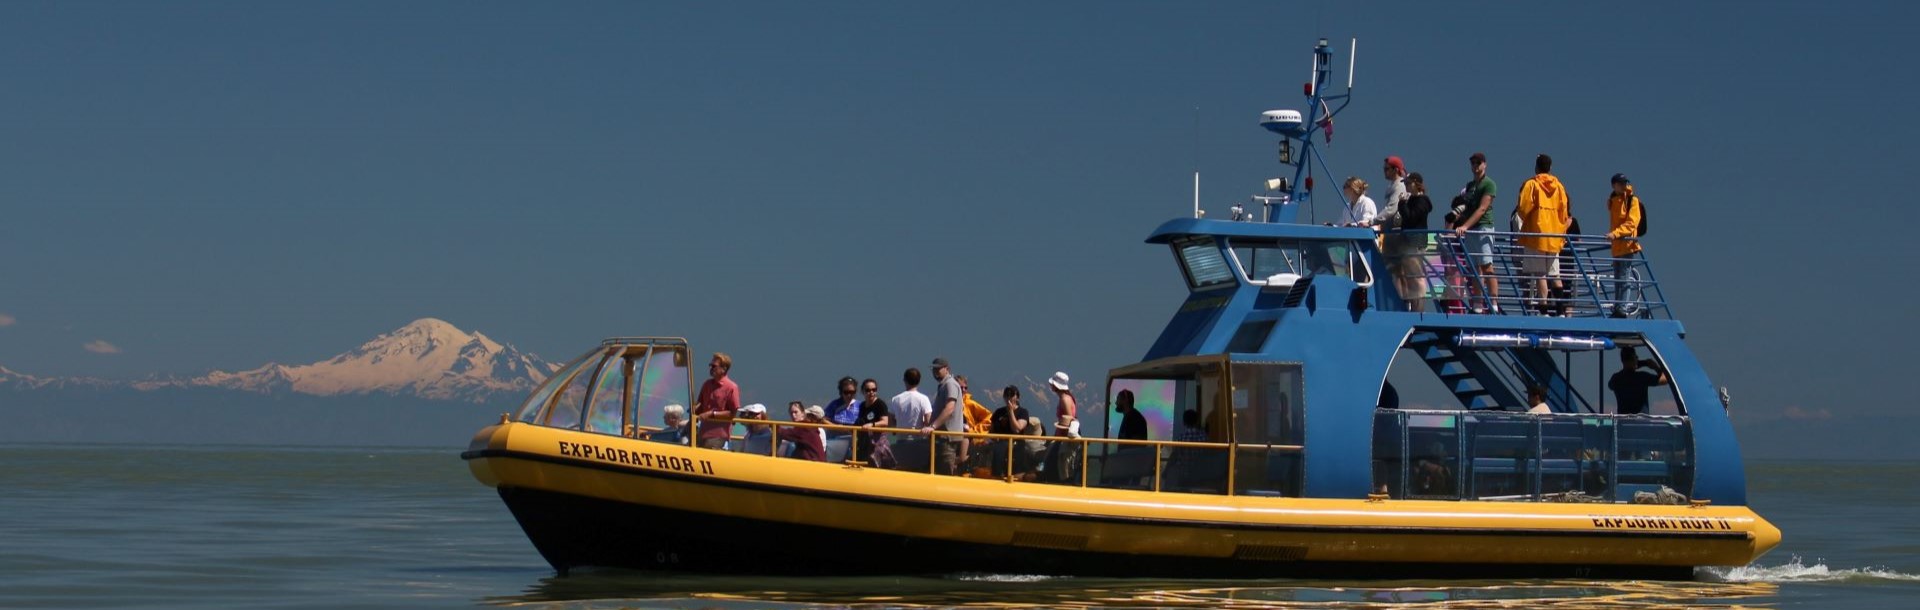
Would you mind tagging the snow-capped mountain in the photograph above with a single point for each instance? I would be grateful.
(427, 358)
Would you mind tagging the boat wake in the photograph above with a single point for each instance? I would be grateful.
(981, 577)
(1797, 571)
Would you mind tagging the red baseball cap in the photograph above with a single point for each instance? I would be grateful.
(1394, 162)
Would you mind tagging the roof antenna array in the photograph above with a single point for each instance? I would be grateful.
(1294, 127)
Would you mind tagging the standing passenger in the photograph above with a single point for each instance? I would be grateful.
(1133, 425)
(1411, 280)
(1066, 406)
(949, 416)
(910, 407)
(911, 410)
(1630, 385)
(719, 399)
(1360, 210)
(1010, 419)
(1479, 194)
(1627, 215)
(1543, 210)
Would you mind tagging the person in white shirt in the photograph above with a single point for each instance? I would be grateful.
(1537, 397)
(911, 409)
(1360, 211)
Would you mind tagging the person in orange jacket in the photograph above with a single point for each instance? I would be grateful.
(1543, 211)
(1623, 209)
(978, 415)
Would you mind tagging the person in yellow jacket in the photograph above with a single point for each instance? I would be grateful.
(979, 417)
(1625, 214)
(1543, 211)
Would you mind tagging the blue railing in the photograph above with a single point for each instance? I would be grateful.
(1592, 282)
(1482, 455)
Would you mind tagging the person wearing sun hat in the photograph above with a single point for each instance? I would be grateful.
(1066, 406)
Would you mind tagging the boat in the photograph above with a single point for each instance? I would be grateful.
(1303, 459)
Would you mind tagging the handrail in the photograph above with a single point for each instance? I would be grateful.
(1588, 271)
(1166, 452)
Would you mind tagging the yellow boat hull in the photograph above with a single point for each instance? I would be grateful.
(598, 500)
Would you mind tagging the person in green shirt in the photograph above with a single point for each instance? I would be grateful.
(1479, 194)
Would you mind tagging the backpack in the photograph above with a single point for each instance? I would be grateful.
(1641, 231)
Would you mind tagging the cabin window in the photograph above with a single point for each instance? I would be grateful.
(1452, 421)
(662, 379)
(572, 397)
(1280, 264)
(1267, 428)
(1202, 264)
(535, 408)
(609, 396)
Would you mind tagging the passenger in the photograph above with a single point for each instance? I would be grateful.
(1431, 474)
(1477, 218)
(1028, 454)
(949, 415)
(808, 443)
(1066, 406)
(1410, 276)
(1009, 419)
(1133, 425)
(1624, 208)
(759, 437)
(1543, 209)
(673, 419)
(910, 408)
(1563, 291)
(719, 399)
(1537, 400)
(873, 414)
(795, 410)
(1397, 194)
(979, 417)
(1063, 458)
(1360, 210)
(1180, 465)
(845, 409)
(1630, 385)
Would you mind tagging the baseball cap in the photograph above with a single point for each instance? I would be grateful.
(1621, 179)
(1394, 162)
(940, 363)
(1478, 158)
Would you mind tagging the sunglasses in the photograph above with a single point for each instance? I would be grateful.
(872, 390)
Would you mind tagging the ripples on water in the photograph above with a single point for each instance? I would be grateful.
(180, 527)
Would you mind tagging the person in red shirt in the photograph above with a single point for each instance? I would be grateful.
(719, 400)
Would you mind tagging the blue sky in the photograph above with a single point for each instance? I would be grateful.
(826, 189)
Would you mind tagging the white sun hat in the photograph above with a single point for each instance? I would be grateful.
(754, 408)
(1059, 381)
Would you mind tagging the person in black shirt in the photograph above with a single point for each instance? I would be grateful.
(1133, 425)
(1010, 419)
(873, 414)
(1630, 384)
(1409, 251)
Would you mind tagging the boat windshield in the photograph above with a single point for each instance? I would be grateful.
(1281, 263)
(617, 388)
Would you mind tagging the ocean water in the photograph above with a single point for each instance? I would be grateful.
(123, 526)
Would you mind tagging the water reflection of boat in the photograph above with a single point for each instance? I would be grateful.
(1336, 482)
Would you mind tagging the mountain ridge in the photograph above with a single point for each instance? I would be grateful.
(427, 358)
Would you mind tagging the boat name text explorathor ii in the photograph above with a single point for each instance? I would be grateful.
(1662, 523)
(635, 458)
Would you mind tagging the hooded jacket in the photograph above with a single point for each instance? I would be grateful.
(1543, 209)
(1624, 212)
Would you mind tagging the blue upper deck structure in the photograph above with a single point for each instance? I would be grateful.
(1289, 331)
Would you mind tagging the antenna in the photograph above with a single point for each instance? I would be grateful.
(1352, 53)
(1196, 193)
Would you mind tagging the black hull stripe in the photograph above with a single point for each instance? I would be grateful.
(1025, 512)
